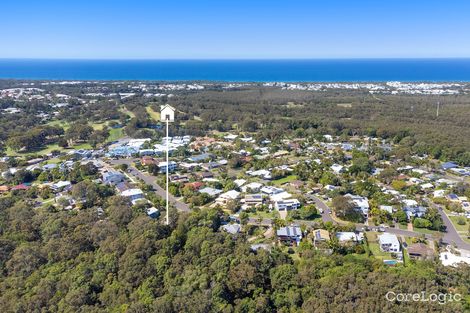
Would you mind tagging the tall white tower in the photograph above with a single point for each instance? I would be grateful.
(167, 115)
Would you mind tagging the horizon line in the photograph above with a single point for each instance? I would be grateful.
(234, 59)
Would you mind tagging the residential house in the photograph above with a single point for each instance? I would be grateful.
(153, 212)
(239, 182)
(147, 160)
(449, 258)
(134, 194)
(21, 187)
(361, 204)
(231, 228)
(420, 251)
(271, 190)
(290, 235)
(337, 169)
(211, 165)
(230, 137)
(205, 175)
(253, 199)
(61, 185)
(179, 178)
(194, 185)
(162, 166)
(122, 186)
(320, 235)
(414, 211)
(252, 187)
(228, 196)
(4, 189)
(287, 205)
(112, 177)
(264, 174)
(210, 191)
(350, 236)
(200, 158)
(389, 243)
(81, 154)
(449, 165)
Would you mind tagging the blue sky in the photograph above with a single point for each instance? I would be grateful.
(173, 29)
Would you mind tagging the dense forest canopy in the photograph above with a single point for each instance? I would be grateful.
(76, 262)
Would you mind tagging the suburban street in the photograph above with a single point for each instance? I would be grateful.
(149, 179)
(449, 237)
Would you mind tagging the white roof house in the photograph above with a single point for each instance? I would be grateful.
(61, 184)
(231, 228)
(449, 259)
(337, 169)
(265, 174)
(427, 186)
(254, 186)
(280, 196)
(227, 196)
(349, 236)
(239, 182)
(210, 191)
(389, 242)
(230, 137)
(271, 190)
(286, 205)
(360, 203)
(131, 192)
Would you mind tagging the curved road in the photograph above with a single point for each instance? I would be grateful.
(150, 180)
(450, 237)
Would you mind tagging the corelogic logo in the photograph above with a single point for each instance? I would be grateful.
(423, 296)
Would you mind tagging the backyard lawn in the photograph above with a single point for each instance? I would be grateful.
(375, 249)
(285, 180)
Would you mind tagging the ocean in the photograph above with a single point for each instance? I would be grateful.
(312, 70)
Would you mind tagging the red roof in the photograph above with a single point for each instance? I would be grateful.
(20, 187)
(195, 185)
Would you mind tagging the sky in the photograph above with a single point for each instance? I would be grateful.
(240, 29)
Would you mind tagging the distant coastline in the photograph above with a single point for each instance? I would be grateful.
(308, 70)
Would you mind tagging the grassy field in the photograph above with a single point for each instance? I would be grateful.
(153, 115)
(460, 228)
(46, 150)
(284, 180)
(115, 134)
(62, 124)
(126, 111)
